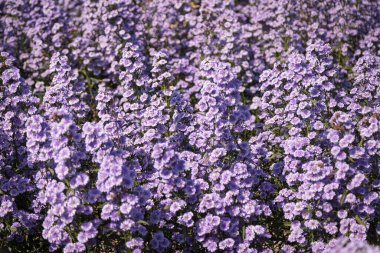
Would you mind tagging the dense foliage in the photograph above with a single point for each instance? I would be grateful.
(189, 126)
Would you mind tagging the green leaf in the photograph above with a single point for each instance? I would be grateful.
(357, 218)
(309, 208)
(274, 155)
(194, 5)
(289, 126)
(143, 222)
(343, 198)
(361, 143)
(51, 170)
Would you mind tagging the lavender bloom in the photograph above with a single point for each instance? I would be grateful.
(189, 126)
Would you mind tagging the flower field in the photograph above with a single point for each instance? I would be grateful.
(190, 126)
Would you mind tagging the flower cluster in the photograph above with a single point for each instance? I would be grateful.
(190, 126)
(327, 136)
